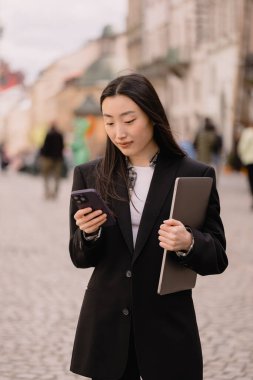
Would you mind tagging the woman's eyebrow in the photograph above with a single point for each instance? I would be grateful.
(122, 114)
(127, 113)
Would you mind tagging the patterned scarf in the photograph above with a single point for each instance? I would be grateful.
(132, 175)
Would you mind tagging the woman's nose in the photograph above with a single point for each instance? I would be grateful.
(120, 132)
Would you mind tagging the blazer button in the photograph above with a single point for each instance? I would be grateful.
(125, 312)
(128, 273)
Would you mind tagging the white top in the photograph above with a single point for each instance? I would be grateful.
(139, 195)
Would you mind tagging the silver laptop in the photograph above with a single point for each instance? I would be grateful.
(189, 205)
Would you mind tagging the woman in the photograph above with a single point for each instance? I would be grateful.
(125, 329)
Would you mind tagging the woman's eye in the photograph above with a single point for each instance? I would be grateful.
(109, 124)
(130, 121)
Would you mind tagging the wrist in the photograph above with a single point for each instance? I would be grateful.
(184, 253)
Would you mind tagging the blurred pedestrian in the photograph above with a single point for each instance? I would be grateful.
(125, 329)
(245, 151)
(233, 160)
(4, 158)
(186, 144)
(208, 144)
(51, 161)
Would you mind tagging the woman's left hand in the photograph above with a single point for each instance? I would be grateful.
(174, 236)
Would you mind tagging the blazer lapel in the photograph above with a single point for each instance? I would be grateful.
(122, 211)
(161, 184)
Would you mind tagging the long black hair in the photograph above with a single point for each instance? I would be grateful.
(113, 165)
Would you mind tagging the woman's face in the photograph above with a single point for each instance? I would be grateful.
(129, 128)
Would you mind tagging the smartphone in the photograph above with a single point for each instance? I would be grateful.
(90, 198)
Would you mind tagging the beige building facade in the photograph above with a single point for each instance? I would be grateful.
(111, 60)
(61, 88)
(192, 51)
(15, 116)
(108, 60)
(51, 81)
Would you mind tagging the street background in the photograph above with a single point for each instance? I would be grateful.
(199, 57)
(41, 291)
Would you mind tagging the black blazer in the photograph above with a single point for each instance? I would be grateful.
(122, 291)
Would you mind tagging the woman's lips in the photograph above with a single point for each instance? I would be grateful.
(125, 145)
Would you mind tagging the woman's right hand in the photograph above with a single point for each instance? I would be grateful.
(89, 221)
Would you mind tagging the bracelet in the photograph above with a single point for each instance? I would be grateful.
(94, 237)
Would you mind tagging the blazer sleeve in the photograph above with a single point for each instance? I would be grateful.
(208, 255)
(84, 254)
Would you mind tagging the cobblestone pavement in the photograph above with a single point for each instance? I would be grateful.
(41, 291)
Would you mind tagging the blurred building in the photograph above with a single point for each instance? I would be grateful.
(109, 58)
(62, 87)
(15, 107)
(198, 54)
(245, 78)
(51, 81)
(9, 78)
(89, 132)
(60, 90)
